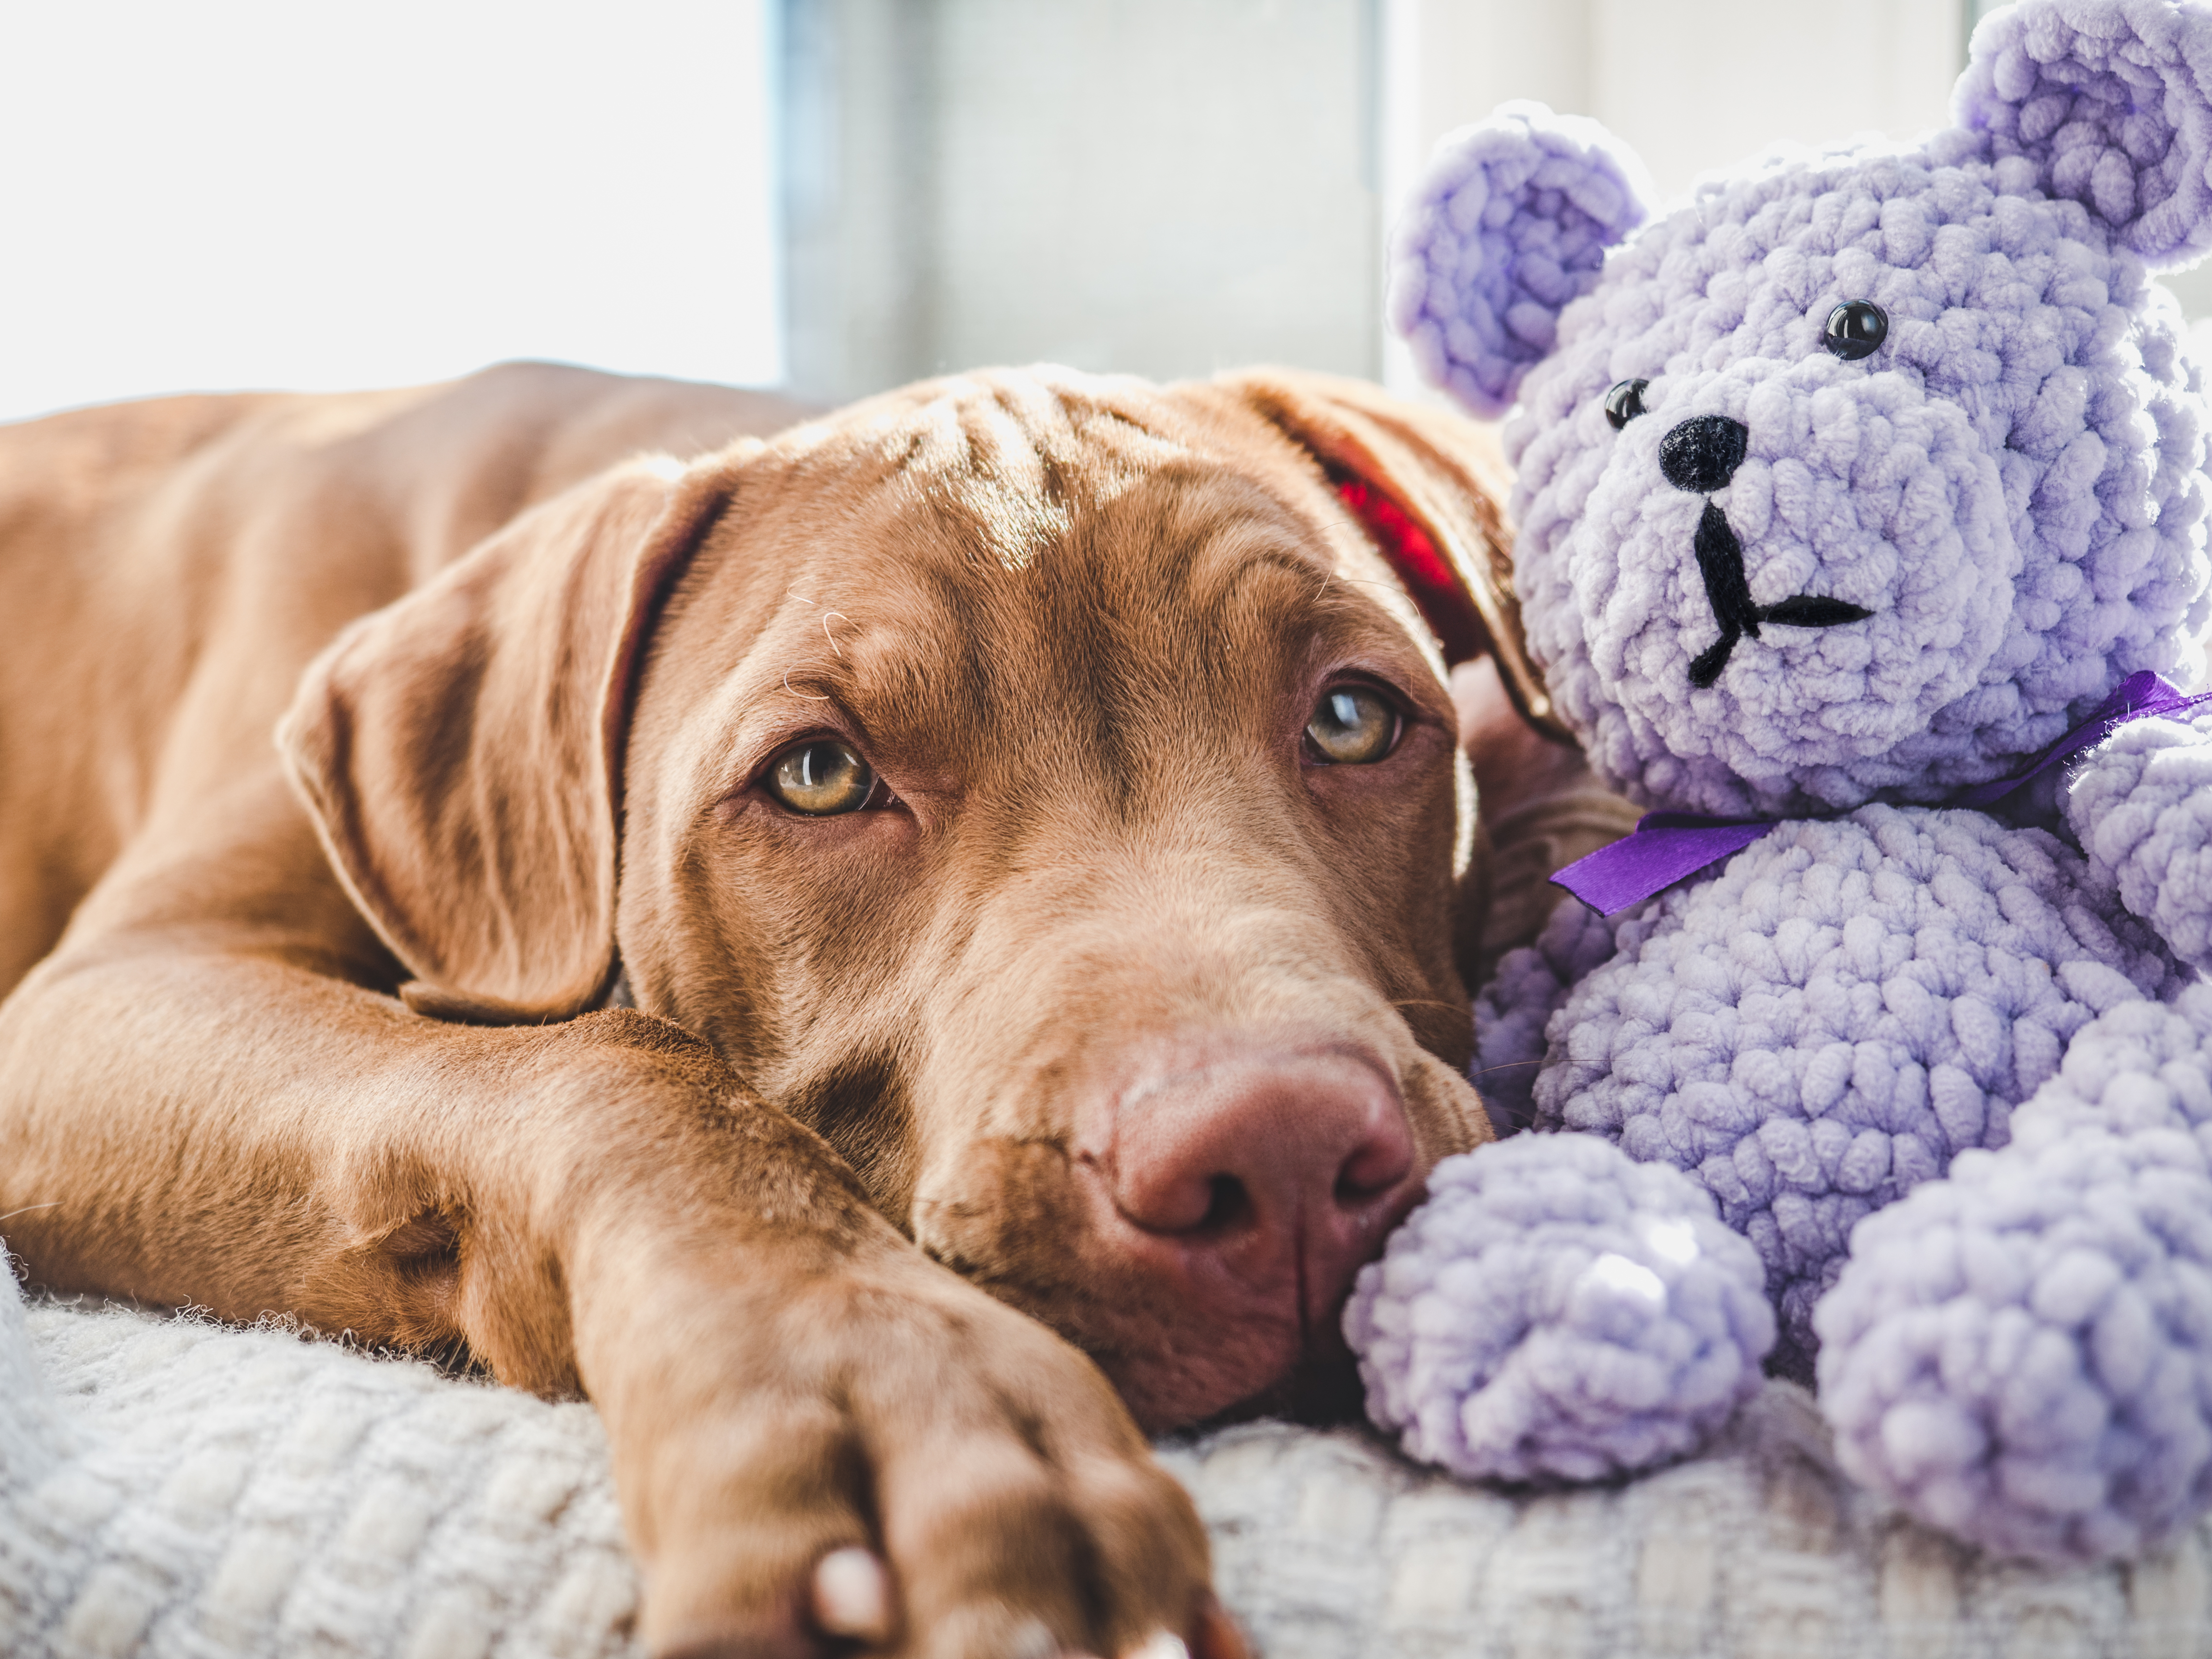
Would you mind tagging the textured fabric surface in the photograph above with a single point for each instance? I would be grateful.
(2111, 105)
(1555, 1309)
(1513, 1010)
(1993, 629)
(2020, 1352)
(1329, 1547)
(212, 1493)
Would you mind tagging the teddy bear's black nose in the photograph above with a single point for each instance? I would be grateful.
(1703, 453)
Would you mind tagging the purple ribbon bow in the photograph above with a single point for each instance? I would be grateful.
(1666, 847)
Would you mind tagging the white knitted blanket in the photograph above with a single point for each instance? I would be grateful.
(175, 1488)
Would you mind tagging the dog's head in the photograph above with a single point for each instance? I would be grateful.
(1042, 786)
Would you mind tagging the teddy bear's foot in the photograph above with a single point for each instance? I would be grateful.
(1556, 1310)
(2015, 1353)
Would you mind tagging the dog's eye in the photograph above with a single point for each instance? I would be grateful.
(820, 778)
(1352, 728)
(1625, 403)
(1854, 328)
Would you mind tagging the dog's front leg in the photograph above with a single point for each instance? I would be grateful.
(202, 1111)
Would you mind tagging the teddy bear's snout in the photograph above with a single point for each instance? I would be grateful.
(1701, 455)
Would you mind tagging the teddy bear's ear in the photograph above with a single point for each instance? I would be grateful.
(1511, 222)
(2110, 100)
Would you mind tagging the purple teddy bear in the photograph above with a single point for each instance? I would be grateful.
(1863, 506)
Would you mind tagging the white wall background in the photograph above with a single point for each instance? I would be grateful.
(1196, 174)
(1164, 187)
(1691, 85)
(1169, 186)
(202, 194)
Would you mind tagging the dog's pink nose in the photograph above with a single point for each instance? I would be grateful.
(1285, 1170)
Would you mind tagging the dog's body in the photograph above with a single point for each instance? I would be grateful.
(1114, 992)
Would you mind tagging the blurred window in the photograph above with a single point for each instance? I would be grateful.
(1164, 187)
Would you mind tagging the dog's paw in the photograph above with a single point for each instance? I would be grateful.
(899, 1463)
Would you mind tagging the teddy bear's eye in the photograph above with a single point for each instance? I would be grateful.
(1625, 403)
(1854, 328)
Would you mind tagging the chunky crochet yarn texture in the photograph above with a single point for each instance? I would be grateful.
(2009, 484)
(1854, 484)
(1543, 1288)
(2020, 1350)
(1514, 220)
(1844, 1008)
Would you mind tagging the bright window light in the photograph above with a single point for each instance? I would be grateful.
(272, 193)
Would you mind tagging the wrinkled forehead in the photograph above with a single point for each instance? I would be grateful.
(1015, 452)
(1079, 511)
(997, 553)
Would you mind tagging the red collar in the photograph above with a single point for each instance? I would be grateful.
(1429, 579)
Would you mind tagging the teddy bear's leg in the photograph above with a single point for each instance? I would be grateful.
(1558, 1311)
(2141, 803)
(1512, 1012)
(2017, 1354)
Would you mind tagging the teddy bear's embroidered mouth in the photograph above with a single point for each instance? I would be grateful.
(1720, 562)
(1701, 455)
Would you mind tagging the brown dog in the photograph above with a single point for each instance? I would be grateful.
(1024, 810)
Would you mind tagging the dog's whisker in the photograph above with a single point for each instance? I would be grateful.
(1424, 1002)
(809, 696)
(1504, 1065)
(28, 1208)
(1328, 576)
(830, 636)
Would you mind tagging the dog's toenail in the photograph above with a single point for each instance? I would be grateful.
(852, 1595)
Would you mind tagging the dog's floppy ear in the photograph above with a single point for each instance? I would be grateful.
(1431, 488)
(461, 750)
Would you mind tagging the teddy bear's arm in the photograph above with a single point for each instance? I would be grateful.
(2140, 804)
(1513, 1008)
